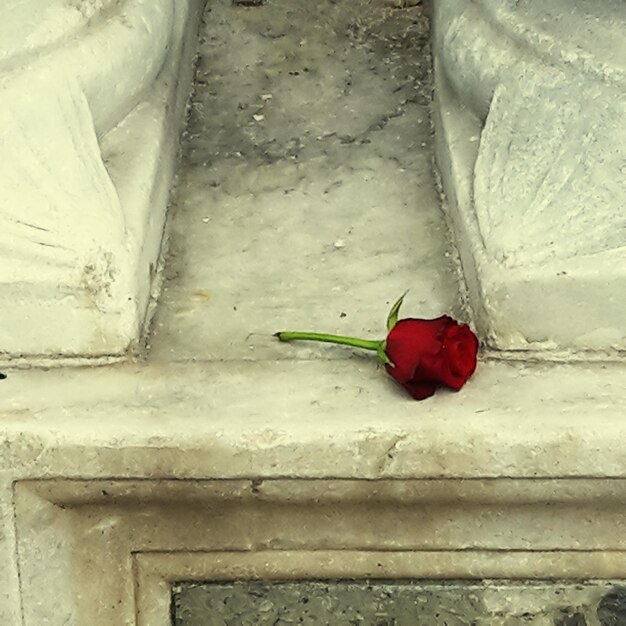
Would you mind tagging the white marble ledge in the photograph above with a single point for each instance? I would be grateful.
(311, 419)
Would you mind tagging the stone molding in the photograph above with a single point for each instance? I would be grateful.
(138, 538)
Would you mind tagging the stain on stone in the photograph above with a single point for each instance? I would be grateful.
(612, 608)
(248, 3)
(97, 280)
(2, 376)
(573, 619)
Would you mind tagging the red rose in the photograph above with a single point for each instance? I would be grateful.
(420, 354)
(429, 353)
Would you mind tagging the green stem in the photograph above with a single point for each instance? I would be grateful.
(366, 344)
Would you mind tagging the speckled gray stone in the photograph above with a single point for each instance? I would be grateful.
(389, 603)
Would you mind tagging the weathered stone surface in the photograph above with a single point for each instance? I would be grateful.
(318, 212)
(175, 439)
(138, 537)
(222, 456)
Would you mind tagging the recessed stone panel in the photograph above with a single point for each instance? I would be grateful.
(399, 603)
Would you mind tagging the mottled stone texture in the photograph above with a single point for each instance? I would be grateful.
(307, 196)
(394, 603)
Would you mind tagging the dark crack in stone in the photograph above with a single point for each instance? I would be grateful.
(575, 619)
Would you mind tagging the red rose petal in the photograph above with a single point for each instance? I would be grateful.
(420, 390)
(429, 353)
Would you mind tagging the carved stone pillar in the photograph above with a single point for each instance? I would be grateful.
(529, 115)
(90, 112)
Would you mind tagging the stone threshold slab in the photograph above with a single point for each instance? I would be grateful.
(311, 419)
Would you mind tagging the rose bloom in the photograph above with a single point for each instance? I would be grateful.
(431, 353)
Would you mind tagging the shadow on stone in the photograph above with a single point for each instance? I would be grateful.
(612, 608)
